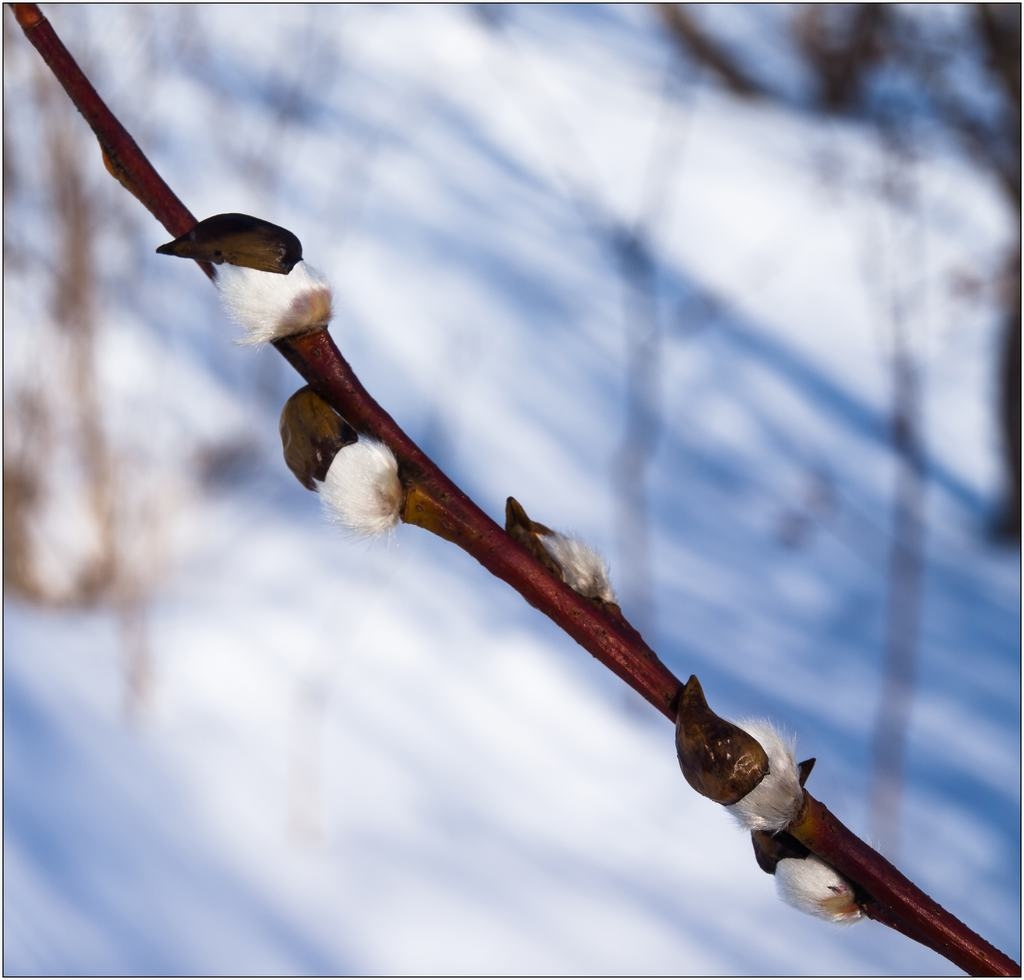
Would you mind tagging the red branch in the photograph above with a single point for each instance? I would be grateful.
(446, 510)
(121, 154)
(610, 639)
(898, 902)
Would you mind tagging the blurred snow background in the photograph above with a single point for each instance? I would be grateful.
(577, 270)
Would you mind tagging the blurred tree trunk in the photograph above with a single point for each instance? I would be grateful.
(998, 27)
(1009, 402)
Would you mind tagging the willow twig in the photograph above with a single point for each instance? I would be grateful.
(122, 157)
(437, 504)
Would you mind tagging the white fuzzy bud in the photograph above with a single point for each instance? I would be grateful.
(775, 801)
(361, 491)
(584, 570)
(270, 305)
(814, 887)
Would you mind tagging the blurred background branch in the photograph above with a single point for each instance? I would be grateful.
(859, 58)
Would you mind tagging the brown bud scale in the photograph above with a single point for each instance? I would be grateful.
(528, 533)
(239, 239)
(311, 435)
(718, 759)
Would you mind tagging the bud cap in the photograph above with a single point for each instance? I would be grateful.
(311, 435)
(241, 240)
(718, 759)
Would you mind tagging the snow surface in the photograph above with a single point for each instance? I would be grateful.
(374, 759)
